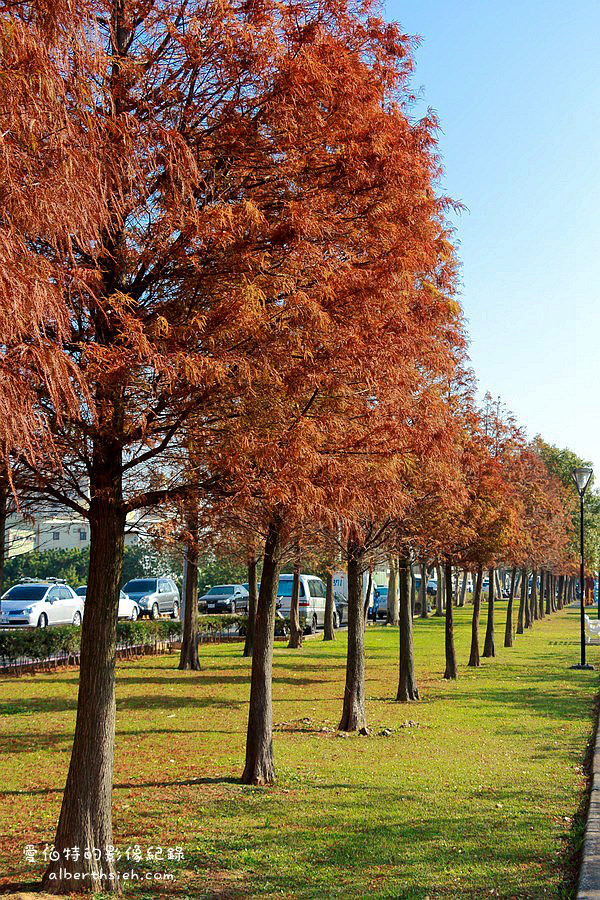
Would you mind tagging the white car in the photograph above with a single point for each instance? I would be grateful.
(128, 608)
(37, 604)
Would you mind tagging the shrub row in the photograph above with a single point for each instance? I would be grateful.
(63, 640)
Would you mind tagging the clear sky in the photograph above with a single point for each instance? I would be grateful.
(516, 86)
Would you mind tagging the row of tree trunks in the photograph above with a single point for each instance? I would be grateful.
(259, 750)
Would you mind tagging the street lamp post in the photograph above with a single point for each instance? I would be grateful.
(581, 476)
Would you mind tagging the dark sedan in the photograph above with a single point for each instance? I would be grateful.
(224, 598)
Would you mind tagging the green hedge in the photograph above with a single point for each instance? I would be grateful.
(63, 640)
(39, 643)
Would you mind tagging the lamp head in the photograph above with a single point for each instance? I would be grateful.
(581, 476)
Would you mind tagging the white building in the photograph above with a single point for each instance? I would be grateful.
(61, 531)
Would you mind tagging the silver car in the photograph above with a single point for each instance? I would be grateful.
(154, 596)
(127, 608)
(311, 601)
(37, 604)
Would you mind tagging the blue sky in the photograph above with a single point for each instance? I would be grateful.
(516, 86)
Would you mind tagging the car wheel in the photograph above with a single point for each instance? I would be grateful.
(175, 613)
(77, 619)
(43, 621)
(134, 614)
(154, 611)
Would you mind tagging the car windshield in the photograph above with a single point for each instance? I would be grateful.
(26, 592)
(138, 585)
(80, 591)
(221, 589)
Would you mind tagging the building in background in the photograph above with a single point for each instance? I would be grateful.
(52, 530)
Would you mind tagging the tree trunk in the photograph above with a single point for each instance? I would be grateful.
(296, 632)
(439, 594)
(561, 589)
(413, 592)
(451, 671)
(86, 816)
(407, 685)
(188, 658)
(508, 631)
(260, 768)
(474, 657)
(529, 601)
(367, 596)
(329, 630)
(489, 647)
(463, 588)
(544, 586)
(423, 592)
(252, 603)
(550, 598)
(354, 715)
(523, 601)
(535, 601)
(392, 600)
(499, 583)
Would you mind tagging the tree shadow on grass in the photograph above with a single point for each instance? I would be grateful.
(545, 703)
(130, 785)
(155, 701)
(409, 858)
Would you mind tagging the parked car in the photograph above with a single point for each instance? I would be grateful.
(311, 600)
(37, 604)
(341, 608)
(382, 600)
(128, 608)
(225, 598)
(154, 596)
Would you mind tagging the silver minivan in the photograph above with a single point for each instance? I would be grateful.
(154, 596)
(311, 600)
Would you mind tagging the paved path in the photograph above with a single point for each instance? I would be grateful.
(589, 877)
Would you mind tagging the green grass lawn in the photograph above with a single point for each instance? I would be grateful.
(475, 792)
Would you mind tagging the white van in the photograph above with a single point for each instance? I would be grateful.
(311, 601)
(340, 584)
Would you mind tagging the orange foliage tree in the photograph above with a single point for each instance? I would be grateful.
(270, 217)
